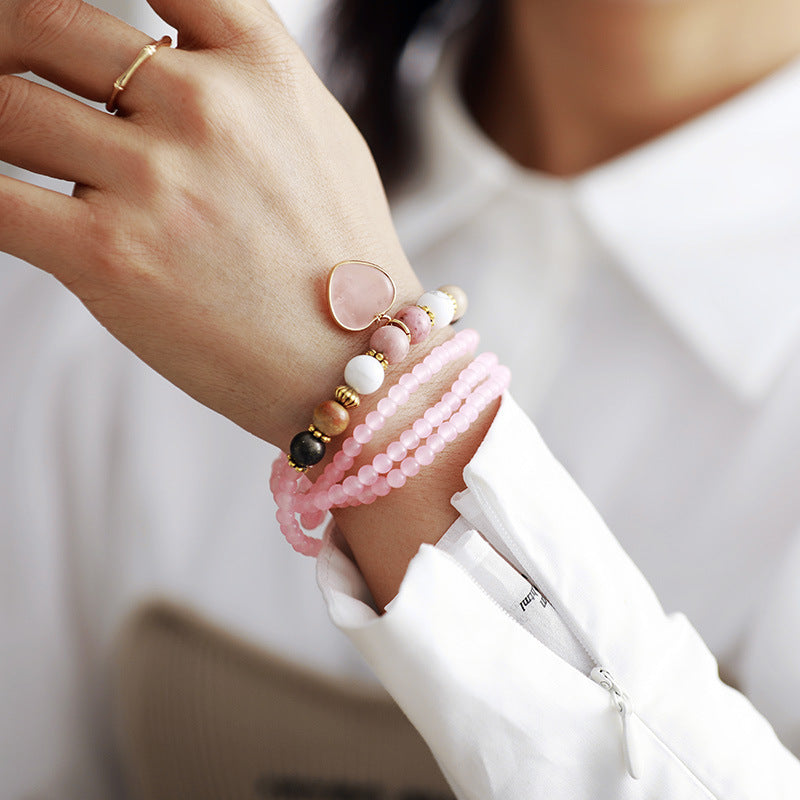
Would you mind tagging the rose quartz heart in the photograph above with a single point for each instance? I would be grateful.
(359, 292)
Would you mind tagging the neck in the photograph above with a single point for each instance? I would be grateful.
(573, 83)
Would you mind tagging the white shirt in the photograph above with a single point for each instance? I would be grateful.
(667, 389)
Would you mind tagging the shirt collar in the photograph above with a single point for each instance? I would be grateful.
(704, 220)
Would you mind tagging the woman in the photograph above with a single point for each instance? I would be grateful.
(145, 199)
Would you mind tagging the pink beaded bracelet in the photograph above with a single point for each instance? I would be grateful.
(476, 386)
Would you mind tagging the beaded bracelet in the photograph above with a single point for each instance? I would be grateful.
(359, 294)
(439, 425)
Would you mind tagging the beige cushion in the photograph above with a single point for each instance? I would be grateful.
(202, 714)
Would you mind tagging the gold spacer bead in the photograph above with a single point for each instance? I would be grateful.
(347, 396)
(294, 466)
(318, 434)
(379, 357)
(398, 323)
(430, 314)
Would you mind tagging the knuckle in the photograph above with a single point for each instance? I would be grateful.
(40, 22)
(13, 94)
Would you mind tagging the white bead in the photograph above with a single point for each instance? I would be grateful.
(364, 373)
(441, 305)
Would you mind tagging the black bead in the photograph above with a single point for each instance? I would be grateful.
(306, 450)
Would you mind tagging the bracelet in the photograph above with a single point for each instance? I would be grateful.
(476, 386)
(359, 294)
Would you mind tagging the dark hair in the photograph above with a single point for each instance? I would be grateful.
(366, 41)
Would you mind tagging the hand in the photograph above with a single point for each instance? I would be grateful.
(207, 214)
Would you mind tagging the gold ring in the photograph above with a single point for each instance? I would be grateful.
(121, 82)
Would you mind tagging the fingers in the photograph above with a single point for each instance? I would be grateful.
(47, 132)
(40, 226)
(216, 23)
(74, 45)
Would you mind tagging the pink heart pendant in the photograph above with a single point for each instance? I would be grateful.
(359, 293)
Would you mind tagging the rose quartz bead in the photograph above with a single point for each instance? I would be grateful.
(417, 321)
(448, 431)
(460, 421)
(392, 342)
(343, 461)
(409, 382)
(396, 479)
(312, 519)
(367, 475)
(337, 495)
(399, 394)
(409, 439)
(409, 467)
(284, 517)
(436, 443)
(396, 451)
(461, 388)
(382, 463)
(434, 362)
(424, 455)
(351, 448)
(381, 487)
(422, 428)
(470, 412)
(352, 486)
(284, 500)
(434, 416)
(387, 407)
(321, 501)
(362, 434)
(452, 400)
(423, 372)
(375, 420)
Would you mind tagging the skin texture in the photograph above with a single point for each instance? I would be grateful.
(207, 215)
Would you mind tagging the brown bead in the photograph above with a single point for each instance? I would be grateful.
(331, 418)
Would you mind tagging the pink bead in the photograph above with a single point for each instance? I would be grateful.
(352, 486)
(452, 400)
(387, 407)
(409, 467)
(469, 412)
(337, 495)
(284, 500)
(284, 516)
(312, 519)
(448, 431)
(368, 497)
(351, 448)
(436, 443)
(396, 451)
(417, 321)
(375, 420)
(399, 394)
(422, 428)
(381, 487)
(409, 382)
(368, 475)
(396, 479)
(392, 342)
(435, 362)
(434, 416)
(424, 455)
(409, 439)
(342, 460)
(460, 421)
(321, 501)
(382, 463)
(461, 388)
(362, 434)
(423, 372)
